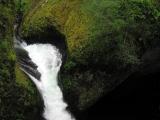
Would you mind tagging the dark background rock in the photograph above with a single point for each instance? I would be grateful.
(135, 99)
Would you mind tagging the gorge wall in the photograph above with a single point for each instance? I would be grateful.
(102, 43)
(19, 99)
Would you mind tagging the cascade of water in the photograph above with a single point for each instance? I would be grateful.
(48, 60)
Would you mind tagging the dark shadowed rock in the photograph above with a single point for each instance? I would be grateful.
(151, 61)
(26, 63)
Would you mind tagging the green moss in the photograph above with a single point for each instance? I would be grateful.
(105, 40)
(23, 6)
(29, 99)
(19, 99)
(22, 79)
(83, 24)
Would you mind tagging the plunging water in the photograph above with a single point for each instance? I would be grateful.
(48, 60)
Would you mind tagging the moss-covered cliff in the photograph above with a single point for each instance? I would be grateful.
(19, 99)
(105, 41)
(6, 60)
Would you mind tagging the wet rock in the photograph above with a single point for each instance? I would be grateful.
(26, 63)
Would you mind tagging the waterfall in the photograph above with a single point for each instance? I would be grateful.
(48, 61)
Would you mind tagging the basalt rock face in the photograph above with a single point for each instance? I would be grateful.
(105, 40)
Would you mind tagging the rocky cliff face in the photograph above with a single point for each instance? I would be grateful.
(105, 41)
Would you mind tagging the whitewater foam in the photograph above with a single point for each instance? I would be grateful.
(48, 60)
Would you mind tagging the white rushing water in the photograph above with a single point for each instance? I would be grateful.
(48, 60)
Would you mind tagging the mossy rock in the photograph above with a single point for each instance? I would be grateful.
(30, 104)
(19, 99)
(105, 41)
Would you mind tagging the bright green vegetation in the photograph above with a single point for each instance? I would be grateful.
(105, 38)
(23, 6)
(19, 76)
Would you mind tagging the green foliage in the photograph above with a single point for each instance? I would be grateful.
(28, 99)
(7, 59)
(70, 65)
(23, 80)
(19, 100)
(106, 40)
(20, 6)
(23, 6)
